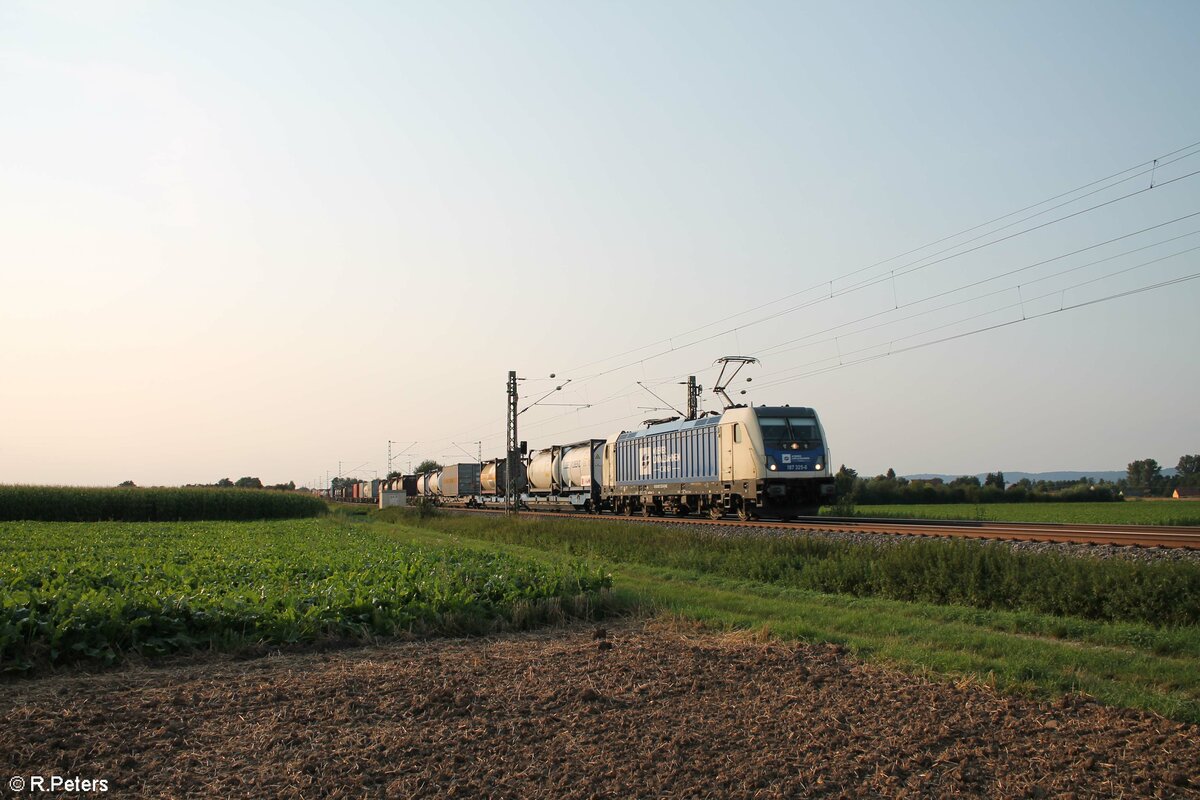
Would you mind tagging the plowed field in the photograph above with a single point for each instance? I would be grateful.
(641, 710)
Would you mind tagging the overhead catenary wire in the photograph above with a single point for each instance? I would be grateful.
(1156, 162)
(910, 348)
(872, 282)
(841, 357)
(780, 348)
(908, 268)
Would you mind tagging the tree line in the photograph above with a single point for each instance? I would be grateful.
(225, 483)
(1143, 478)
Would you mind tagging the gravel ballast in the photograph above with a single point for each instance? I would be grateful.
(1146, 554)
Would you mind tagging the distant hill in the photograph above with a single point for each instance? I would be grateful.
(1014, 477)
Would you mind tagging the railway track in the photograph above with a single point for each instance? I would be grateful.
(1120, 535)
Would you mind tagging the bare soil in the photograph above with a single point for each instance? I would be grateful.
(639, 710)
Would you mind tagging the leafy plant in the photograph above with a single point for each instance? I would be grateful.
(94, 592)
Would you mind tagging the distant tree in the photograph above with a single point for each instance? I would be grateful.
(224, 483)
(428, 465)
(249, 483)
(994, 479)
(1188, 471)
(965, 480)
(391, 476)
(844, 480)
(290, 486)
(1144, 475)
(127, 483)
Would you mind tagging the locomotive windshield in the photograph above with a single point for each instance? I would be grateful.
(798, 433)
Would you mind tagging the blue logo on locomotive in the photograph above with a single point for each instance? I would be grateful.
(797, 460)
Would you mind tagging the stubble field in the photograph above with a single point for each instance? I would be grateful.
(646, 711)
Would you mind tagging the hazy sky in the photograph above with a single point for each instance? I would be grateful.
(260, 238)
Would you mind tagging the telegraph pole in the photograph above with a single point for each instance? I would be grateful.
(514, 456)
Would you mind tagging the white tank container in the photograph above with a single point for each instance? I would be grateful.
(487, 478)
(542, 471)
(576, 467)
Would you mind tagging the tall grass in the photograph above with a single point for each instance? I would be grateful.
(983, 575)
(82, 504)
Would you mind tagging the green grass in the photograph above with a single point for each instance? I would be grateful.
(94, 592)
(88, 504)
(1138, 665)
(964, 572)
(1130, 512)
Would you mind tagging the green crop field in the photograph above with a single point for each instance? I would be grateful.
(95, 504)
(94, 592)
(1130, 512)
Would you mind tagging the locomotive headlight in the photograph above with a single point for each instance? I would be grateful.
(771, 467)
(820, 466)
(771, 463)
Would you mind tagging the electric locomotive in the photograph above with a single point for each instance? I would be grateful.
(751, 461)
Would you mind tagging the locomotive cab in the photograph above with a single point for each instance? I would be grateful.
(795, 475)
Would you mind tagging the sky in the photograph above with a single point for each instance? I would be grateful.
(266, 239)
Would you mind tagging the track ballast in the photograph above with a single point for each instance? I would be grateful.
(1187, 537)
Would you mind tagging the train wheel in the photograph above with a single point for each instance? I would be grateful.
(745, 514)
(715, 512)
(647, 510)
(627, 508)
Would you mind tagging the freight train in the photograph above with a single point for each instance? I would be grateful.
(750, 461)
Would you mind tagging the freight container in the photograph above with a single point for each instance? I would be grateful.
(579, 465)
(567, 475)
(460, 480)
(494, 478)
(541, 471)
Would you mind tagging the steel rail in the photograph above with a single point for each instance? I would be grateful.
(1121, 535)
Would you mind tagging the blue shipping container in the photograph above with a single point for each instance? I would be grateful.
(675, 452)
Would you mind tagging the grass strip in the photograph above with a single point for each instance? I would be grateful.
(985, 575)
